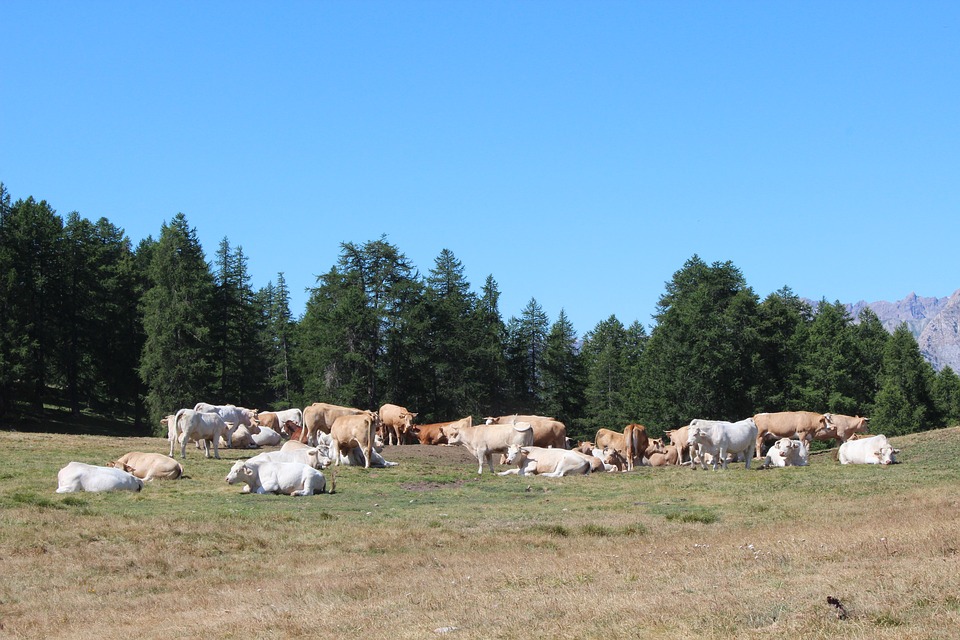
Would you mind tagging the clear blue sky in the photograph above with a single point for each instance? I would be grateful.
(580, 152)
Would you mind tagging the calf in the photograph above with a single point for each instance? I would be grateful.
(79, 476)
(549, 462)
(290, 478)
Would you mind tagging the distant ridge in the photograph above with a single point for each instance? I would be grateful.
(934, 322)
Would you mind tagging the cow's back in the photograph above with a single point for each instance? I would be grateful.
(786, 424)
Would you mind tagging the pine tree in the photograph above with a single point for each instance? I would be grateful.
(563, 374)
(783, 322)
(700, 360)
(870, 339)
(175, 365)
(526, 342)
(905, 402)
(492, 395)
(946, 396)
(830, 357)
(278, 340)
(606, 356)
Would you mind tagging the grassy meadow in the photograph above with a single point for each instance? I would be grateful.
(429, 549)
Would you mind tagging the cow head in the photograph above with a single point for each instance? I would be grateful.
(886, 455)
(452, 434)
(696, 433)
(514, 454)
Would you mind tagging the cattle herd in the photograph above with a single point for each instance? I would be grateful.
(324, 434)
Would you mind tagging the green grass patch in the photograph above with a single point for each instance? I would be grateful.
(686, 513)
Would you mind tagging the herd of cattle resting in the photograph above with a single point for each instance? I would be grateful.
(324, 434)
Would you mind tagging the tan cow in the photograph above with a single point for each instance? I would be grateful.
(841, 427)
(395, 423)
(788, 424)
(548, 462)
(547, 432)
(320, 416)
(630, 444)
(678, 440)
(354, 430)
(485, 440)
(148, 466)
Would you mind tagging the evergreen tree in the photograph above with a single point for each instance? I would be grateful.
(946, 396)
(175, 365)
(279, 344)
(492, 395)
(449, 303)
(563, 374)
(870, 339)
(905, 402)
(606, 359)
(526, 342)
(701, 358)
(783, 322)
(636, 343)
(32, 241)
(830, 356)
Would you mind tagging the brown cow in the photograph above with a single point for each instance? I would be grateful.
(788, 424)
(678, 440)
(433, 433)
(395, 423)
(269, 419)
(354, 430)
(630, 444)
(320, 416)
(547, 432)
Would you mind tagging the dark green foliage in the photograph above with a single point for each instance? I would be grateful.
(563, 374)
(278, 343)
(905, 401)
(701, 360)
(605, 356)
(175, 365)
(526, 343)
(946, 396)
(783, 321)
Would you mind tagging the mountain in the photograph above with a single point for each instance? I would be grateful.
(934, 322)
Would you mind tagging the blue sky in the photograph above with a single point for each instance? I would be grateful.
(580, 152)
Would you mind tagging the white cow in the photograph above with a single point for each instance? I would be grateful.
(718, 438)
(242, 438)
(200, 427)
(267, 437)
(311, 456)
(873, 450)
(290, 478)
(787, 452)
(233, 414)
(78, 476)
(548, 462)
(484, 441)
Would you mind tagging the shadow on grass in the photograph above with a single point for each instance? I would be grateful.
(57, 420)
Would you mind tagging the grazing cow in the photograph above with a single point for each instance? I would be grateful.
(357, 430)
(719, 438)
(290, 478)
(319, 418)
(788, 424)
(484, 441)
(267, 437)
(200, 427)
(630, 444)
(841, 427)
(78, 476)
(547, 432)
(148, 466)
(787, 452)
(873, 450)
(396, 423)
(548, 462)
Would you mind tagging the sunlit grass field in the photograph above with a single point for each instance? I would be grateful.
(429, 549)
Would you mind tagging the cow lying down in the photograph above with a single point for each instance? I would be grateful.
(148, 466)
(290, 478)
(352, 457)
(548, 462)
(873, 450)
(787, 452)
(78, 476)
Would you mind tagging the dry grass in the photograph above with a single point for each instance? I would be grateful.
(404, 552)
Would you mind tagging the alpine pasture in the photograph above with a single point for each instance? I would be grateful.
(431, 549)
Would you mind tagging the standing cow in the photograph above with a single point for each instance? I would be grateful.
(802, 425)
(354, 430)
(319, 418)
(630, 444)
(396, 422)
(718, 438)
(486, 440)
(547, 432)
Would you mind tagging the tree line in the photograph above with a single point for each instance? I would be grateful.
(95, 324)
